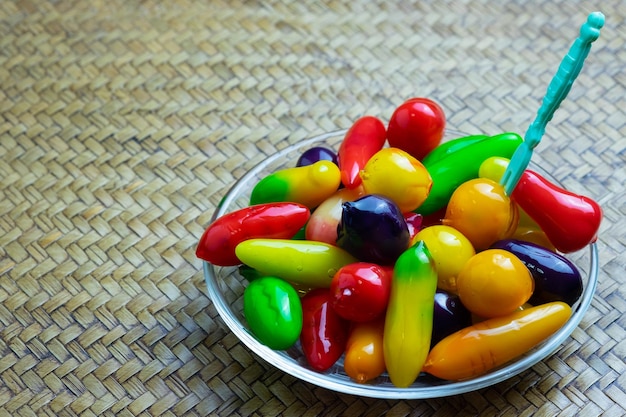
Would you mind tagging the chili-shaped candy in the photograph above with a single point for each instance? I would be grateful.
(364, 138)
(273, 311)
(446, 148)
(364, 359)
(479, 348)
(272, 220)
(308, 185)
(456, 168)
(569, 220)
(324, 333)
(409, 316)
(306, 263)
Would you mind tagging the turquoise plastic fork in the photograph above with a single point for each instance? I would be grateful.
(557, 91)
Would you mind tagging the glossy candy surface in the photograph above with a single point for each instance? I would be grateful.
(308, 185)
(481, 211)
(273, 220)
(364, 358)
(373, 229)
(569, 220)
(556, 277)
(527, 229)
(315, 154)
(462, 165)
(494, 283)
(416, 126)
(450, 249)
(484, 346)
(449, 147)
(324, 333)
(364, 138)
(398, 176)
(409, 316)
(414, 222)
(493, 168)
(531, 232)
(322, 226)
(306, 263)
(360, 291)
(273, 311)
(450, 315)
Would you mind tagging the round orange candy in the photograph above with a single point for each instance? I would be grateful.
(494, 283)
(481, 210)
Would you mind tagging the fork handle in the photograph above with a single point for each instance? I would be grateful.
(562, 82)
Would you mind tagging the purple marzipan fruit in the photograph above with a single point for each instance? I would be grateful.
(316, 154)
(373, 229)
(449, 316)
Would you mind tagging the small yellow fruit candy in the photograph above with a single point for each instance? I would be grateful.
(449, 249)
(527, 229)
(494, 283)
(395, 174)
(364, 358)
(493, 168)
(481, 210)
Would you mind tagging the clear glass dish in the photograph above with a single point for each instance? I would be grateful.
(226, 286)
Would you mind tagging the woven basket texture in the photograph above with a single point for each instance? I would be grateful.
(123, 123)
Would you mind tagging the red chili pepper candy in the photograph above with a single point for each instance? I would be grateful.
(324, 333)
(570, 221)
(366, 137)
(271, 220)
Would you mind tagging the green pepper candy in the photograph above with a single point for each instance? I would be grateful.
(409, 316)
(462, 165)
(449, 147)
(273, 311)
(306, 263)
(308, 185)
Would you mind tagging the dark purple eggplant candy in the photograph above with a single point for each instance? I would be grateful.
(315, 154)
(556, 277)
(373, 229)
(449, 316)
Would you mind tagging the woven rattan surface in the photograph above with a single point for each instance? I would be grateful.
(123, 123)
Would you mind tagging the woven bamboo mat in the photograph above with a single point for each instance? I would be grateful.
(122, 124)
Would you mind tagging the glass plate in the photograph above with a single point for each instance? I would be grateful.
(226, 286)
